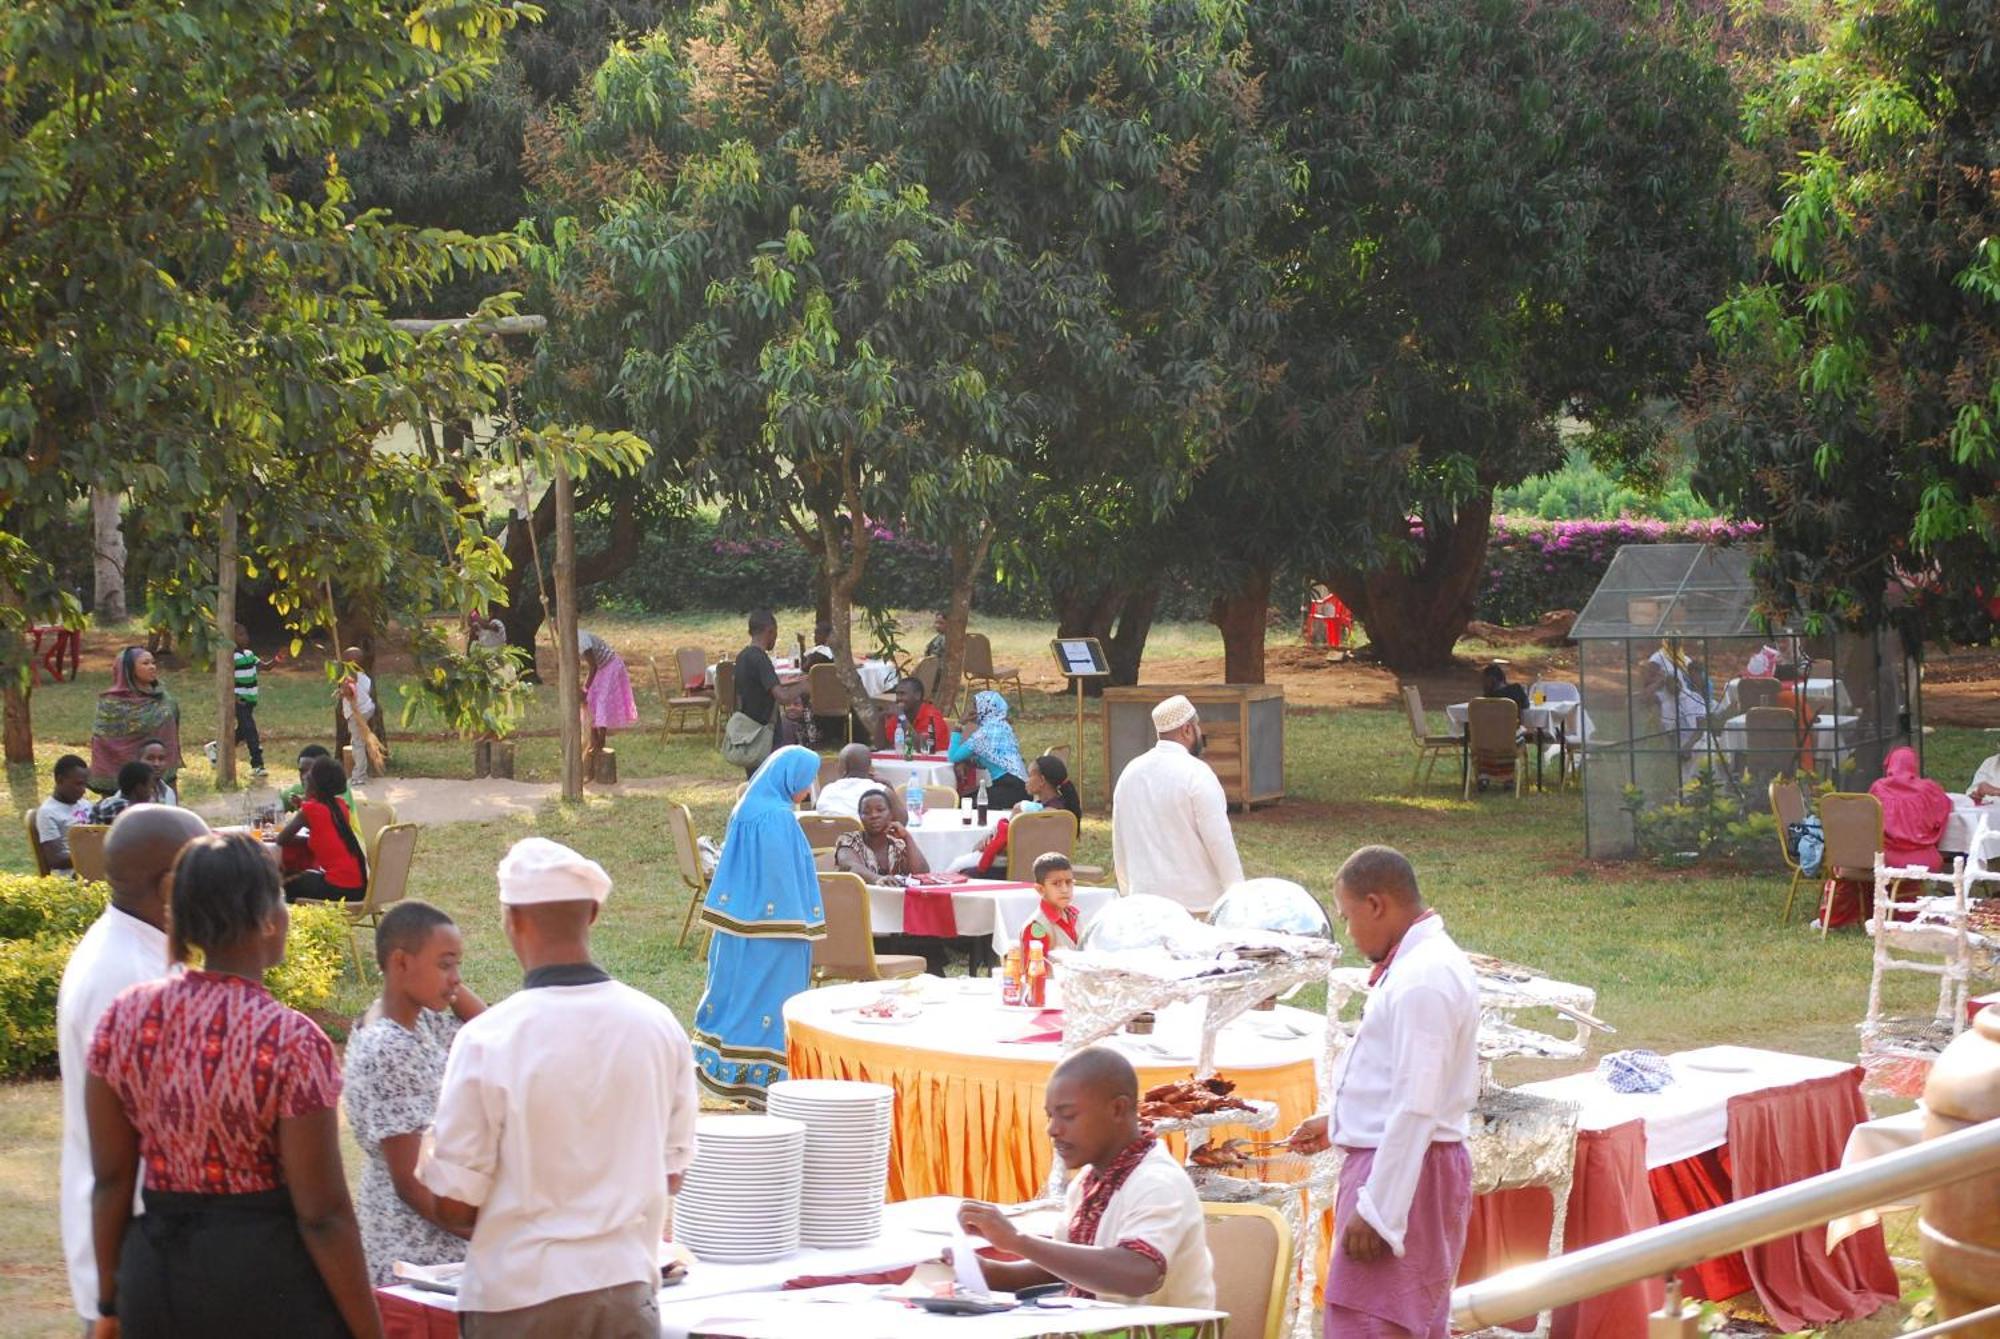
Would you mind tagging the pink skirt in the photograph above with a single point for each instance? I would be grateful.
(610, 697)
(1408, 1294)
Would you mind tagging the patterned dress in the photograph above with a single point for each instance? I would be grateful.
(392, 1080)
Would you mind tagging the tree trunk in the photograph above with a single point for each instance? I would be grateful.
(1414, 617)
(1093, 612)
(225, 645)
(107, 601)
(966, 561)
(523, 617)
(20, 724)
(1243, 614)
(567, 681)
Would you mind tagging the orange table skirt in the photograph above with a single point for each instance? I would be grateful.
(974, 1127)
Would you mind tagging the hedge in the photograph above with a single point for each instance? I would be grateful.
(1534, 566)
(42, 918)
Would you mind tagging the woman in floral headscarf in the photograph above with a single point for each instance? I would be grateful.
(992, 745)
(136, 710)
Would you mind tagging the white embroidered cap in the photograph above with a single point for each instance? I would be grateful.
(1172, 714)
(539, 870)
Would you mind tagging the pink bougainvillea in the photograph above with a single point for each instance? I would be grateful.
(1534, 566)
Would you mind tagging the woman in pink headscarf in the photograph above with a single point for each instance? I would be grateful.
(1914, 812)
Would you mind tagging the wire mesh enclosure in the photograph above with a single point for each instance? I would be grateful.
(1693, 705)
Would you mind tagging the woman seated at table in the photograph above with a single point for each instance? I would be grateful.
(1986, 781)
(325, 828)
(1915, 810)
(990, 743)
(1049, 787)
(1493, 683)
(883, 849)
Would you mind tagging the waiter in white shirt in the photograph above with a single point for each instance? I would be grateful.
(566, 1117)
(1402, 1092)
(124, 946)
(1170, 832)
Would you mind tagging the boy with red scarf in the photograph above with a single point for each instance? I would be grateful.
(1056, 923)
(1132, 1228)
(1402, 1094)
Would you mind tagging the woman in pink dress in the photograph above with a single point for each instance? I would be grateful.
(1915, 810)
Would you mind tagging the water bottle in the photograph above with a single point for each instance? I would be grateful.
(913, 798)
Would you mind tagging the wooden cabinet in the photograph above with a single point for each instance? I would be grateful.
(1244, 724)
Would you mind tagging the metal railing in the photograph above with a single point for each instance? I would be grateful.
(1662, 1251)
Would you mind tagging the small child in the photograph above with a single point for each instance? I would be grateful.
(1056, 925)
(246, 665)
(356, 696)
(135, 786)
(66, 806)
(395, 1066)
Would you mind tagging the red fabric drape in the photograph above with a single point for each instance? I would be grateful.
(404, 1319)
(1691, 1186)
(1607, 1199)
(1785, 1135)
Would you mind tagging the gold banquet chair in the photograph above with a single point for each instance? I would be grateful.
(847, 953)
(390, 856)
(1429, 747)
(1251, 1245)
(687, 859)
(86, 850)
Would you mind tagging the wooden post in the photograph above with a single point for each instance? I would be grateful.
(225, 648)
(567, 673)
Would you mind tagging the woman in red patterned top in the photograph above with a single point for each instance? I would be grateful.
(325, 827)
(229, 1099)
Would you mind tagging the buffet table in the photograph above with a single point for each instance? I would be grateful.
(771, 1299)
(1735, 1122)
(982, 907)
(969, 1119)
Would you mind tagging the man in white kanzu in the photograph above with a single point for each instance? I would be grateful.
(566, 1117)
(1402, 1092)
(124, 946)
(1170, 831)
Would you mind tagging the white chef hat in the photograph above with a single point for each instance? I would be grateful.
(539, 870)
(1172, 714)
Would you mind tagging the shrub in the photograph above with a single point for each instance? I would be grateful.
(1534, 566)
(42, 918)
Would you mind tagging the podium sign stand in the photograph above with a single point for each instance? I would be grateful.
(1080, 658)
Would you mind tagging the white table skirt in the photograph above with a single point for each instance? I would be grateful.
(982, 909)
(856, 1309)
(929, 769)
(1964, 822)
(1828, 732)
(943, 836)
(1691, 1114)
(962, 1016)
(1549, 717)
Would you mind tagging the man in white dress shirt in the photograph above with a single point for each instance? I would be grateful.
(841, 797)
(1170, 832)
(566, 1117)
(1402, 1092)
(124, 946)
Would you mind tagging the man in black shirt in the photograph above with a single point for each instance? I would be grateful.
(759, 695)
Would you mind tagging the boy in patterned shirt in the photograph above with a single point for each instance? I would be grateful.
(246, 666)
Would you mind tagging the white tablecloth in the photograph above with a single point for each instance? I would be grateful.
(1821, 695)
(1872, 1139)
(930, 769)
(1964, 821)
(982, 908)
(1691, 1114)
(962, 1016)
(1827, 731)
(943, 835)
(1549, 717)
(856, 1309)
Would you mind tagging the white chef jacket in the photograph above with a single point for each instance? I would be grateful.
(117, 951)
(1410, 1077)
(1170, 832)
(563, 1112)
(1156, 1205)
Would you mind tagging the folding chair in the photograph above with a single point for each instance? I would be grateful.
(1429, 747)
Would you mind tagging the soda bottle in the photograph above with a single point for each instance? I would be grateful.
(1036, 993)
(980, 804)
(1010, 978)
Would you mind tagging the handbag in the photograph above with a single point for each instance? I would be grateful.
(746, 741)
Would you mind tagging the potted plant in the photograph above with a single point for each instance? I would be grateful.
(477, 692)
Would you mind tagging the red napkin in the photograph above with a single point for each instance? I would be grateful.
(1047, 1026)
(929, 913)
(885, 1277)
(936, 879)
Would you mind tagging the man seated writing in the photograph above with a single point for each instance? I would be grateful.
(1132, 1227)
(842, 796)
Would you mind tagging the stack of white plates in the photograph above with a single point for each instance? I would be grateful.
(847, 1155)
(739, 1203)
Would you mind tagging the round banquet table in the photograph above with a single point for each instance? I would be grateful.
(969, 1117)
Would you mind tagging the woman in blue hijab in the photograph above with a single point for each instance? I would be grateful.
(992, 745)
(764, 907)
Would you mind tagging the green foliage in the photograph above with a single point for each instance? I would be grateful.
(51, 907)
(476, 691)
(316, 952)
(1856, 403)
(30, 974)
(1709, 821)
(1581, 490)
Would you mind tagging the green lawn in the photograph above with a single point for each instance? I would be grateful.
(1679, 958)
